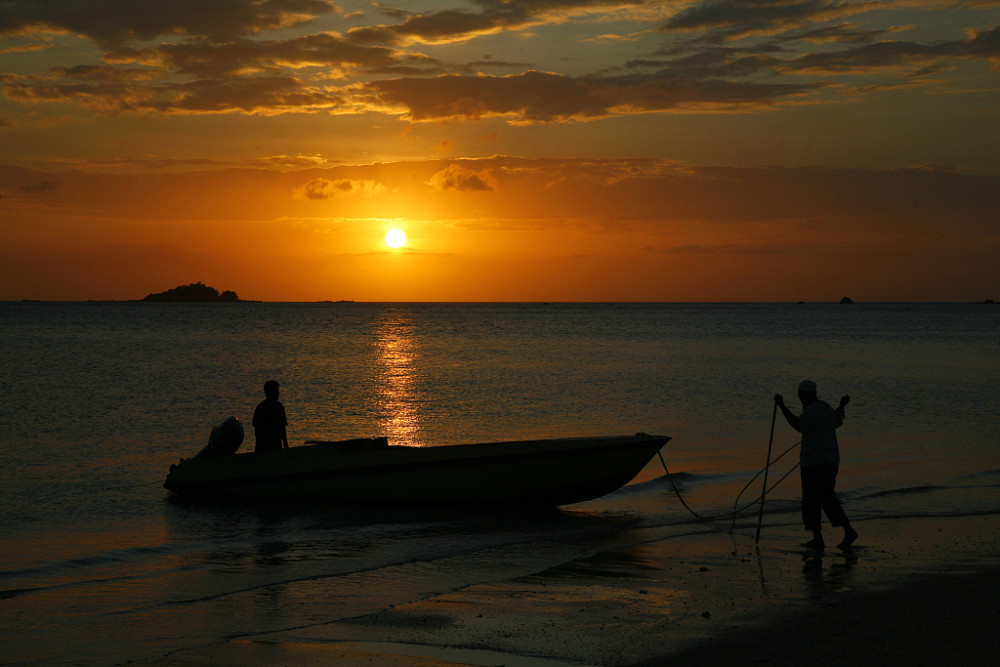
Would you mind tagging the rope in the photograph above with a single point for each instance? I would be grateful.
(753, 502)
(736, 512)
(678, 493)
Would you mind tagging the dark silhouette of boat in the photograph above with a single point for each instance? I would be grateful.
(547, 472)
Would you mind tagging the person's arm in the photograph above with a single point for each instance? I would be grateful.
(792, 419)
(840, 408)
(843, 403)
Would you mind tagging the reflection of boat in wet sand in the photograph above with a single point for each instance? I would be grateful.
(534, 472)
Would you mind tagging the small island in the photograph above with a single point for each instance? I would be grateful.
(198, 292)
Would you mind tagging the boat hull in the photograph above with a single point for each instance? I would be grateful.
(537, 472)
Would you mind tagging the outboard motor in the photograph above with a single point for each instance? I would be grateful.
(225, 439)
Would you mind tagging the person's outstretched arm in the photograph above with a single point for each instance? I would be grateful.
(792, 419)
(844, 400)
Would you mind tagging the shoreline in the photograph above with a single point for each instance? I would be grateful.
(913, 591)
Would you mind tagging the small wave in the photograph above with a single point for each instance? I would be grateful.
(943, 513)
(910, 490)
(682, 478)
(96, 560)
(984, 473)
(14, 592)
(658, 483)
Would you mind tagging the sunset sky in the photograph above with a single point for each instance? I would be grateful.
(531, 150)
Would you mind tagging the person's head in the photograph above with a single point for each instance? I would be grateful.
(271, 389)
(807, 392)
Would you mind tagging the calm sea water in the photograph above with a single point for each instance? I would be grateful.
(99, 565)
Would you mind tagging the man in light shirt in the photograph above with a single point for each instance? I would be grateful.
(819, 462)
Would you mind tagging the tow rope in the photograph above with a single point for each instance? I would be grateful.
(736, 510)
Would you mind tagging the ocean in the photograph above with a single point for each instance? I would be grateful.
(100, 565)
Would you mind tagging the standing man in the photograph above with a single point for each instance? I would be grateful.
(819, 462)
(269, 421)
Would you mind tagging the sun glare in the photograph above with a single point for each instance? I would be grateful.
(395, 238)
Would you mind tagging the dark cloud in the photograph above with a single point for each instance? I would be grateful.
(714, 63)
(725, 248)
(913, 201)
(259, 94)
(446, 25)
(843, 32)
(221, 71)
(726, 19)
(204, 58)
(271, 94)
(892, 54)
(495, 16)
(39, 187)
(906, 59)
(105, 73)
(546, 97)
(529, 97)
(115, 22)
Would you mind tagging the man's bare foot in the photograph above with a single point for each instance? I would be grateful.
(849, 536)
(815, 543)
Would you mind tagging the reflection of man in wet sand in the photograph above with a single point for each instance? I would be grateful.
(819, 462)
(269, 420)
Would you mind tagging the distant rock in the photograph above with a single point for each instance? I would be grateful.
(194, 292)
(847, 299)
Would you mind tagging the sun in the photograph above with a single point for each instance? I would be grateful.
(395, 238)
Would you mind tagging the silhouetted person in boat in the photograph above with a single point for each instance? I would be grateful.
(819, 462)
(269, 420)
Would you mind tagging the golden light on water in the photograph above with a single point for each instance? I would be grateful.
(395, 238)
(396, 380)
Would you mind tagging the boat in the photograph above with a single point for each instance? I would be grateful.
(548, 472)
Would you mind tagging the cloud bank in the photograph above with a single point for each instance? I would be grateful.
(271, 57)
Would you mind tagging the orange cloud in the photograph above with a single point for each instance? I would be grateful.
(322, 188)
(457, 177)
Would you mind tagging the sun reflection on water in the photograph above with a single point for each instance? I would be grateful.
(397, 352)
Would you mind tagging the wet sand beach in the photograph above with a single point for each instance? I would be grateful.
(915, 591)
